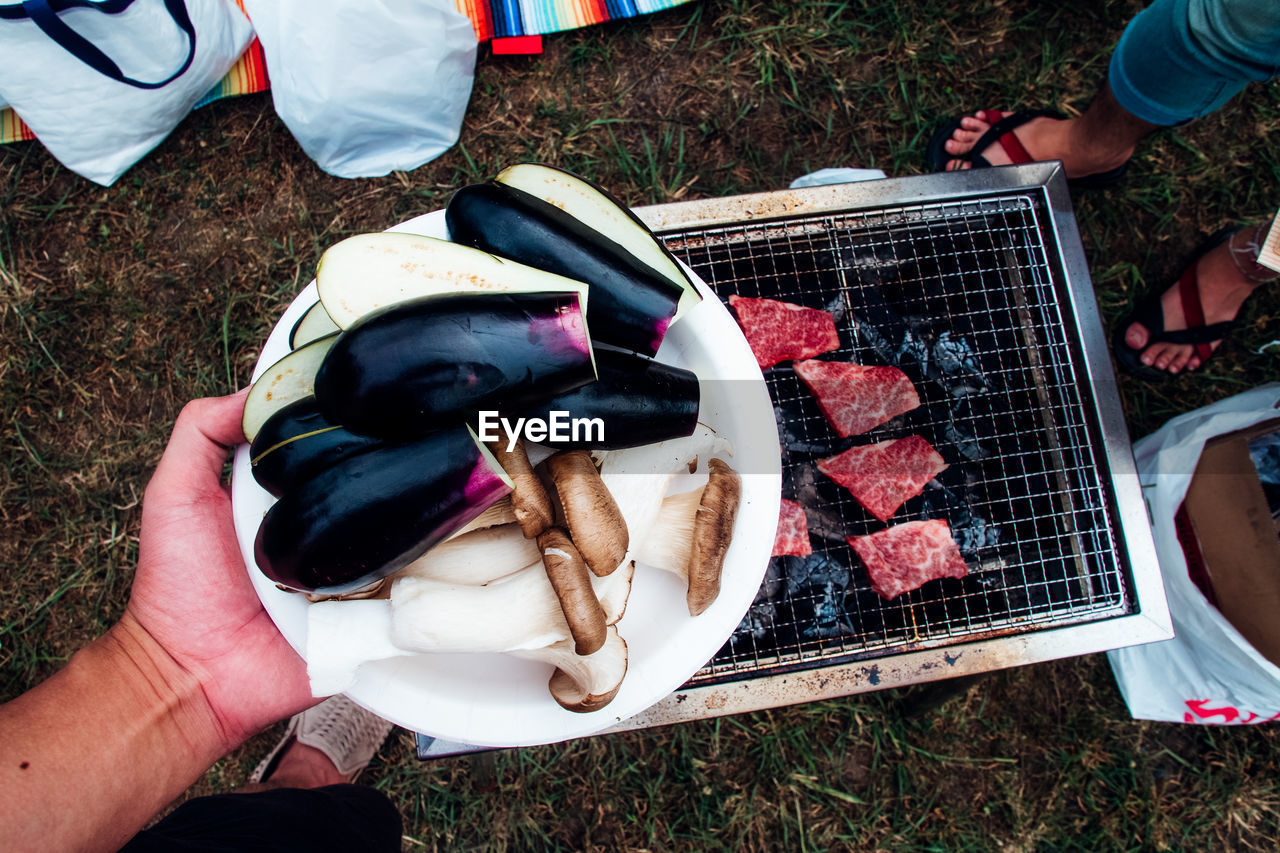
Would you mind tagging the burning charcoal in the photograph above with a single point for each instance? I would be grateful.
(824, 521)
(972, 532)
(837, 308)
(756, 624)
(965, 443)
(789, 417)
(774, 583)
(814, 604)
(956, 359)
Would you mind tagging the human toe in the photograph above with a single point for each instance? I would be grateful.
(1136, 336)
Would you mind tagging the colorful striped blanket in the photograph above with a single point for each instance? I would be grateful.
(493, 19)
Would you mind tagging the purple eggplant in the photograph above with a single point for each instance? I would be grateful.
(635, 401)
(428, 363)
(374, 513)
(297, 443)
(631, 304)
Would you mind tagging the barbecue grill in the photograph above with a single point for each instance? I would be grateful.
(974, 283)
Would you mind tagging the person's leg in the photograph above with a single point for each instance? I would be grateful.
(299, 798)
(1100, 140)
(339, 818)
(1224, 277)
(1177, 60)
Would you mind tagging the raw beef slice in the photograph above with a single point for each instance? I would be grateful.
(792, 538)
(855, 397)
(907, 556)
(779, 331)
(885, 475)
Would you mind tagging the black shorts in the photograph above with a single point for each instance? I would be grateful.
(338, 817)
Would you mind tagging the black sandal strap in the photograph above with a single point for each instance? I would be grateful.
(1007, 124)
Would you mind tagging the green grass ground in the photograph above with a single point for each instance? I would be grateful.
(117, 305)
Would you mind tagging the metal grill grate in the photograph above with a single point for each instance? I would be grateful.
(962, 297)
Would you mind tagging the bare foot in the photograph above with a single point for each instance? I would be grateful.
(1223, 289)
(1043, 138)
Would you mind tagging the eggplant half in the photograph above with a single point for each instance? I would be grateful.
(314, 324)
(634, 401)
(594, 206)
(428, 363)
(376, 512)
(369, 272)
(297, 443)
(631, 304)
(291, 378)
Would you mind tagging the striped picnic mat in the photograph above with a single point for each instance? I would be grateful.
(491, 19)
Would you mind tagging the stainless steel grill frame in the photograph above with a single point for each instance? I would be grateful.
(1079, 502)
(1080, 573)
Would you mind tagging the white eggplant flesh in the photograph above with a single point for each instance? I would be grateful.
(312, 326)
(289, 379)
(369, 272)
(595, 208)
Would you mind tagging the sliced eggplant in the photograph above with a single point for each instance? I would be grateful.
(593, 205)
(314, 324)
(634, 401)
(370, 272)
(297, 443)
(291, 378)
(431, 362)
(631, 304)
(376, 512)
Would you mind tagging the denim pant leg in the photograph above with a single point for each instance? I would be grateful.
(1182, 59)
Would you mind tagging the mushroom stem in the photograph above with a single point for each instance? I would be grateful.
(638, 477)
(572, 583)
(476, 558)
(670, 541)
(529, 499)
(712, 532)
(584, 683)
(595, 525)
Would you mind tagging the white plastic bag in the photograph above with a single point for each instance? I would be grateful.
(93, 124)
(1209, 673)
(367, 88)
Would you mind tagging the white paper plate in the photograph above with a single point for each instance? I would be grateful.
(495, 700)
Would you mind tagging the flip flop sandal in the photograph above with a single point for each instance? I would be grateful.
(1150, 314)
(348, 734)
(1002, 127)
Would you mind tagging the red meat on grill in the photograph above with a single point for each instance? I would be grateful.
(792, 538)
(907, 556)
(855, 397)
(780, 331)
(885, 475)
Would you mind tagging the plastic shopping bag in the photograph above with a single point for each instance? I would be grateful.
(1209, 673)
(102, 83)
(367, 88)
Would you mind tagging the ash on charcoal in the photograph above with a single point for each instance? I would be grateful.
(816, 587)
(790, 417)
(802, 481)
(951, 496)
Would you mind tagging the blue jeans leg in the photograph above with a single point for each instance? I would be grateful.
(1182, 59)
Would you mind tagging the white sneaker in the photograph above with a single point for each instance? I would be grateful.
(348, 734)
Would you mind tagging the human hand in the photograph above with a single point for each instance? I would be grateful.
(191, 592)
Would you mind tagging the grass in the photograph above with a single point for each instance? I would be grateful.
(118, 304)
